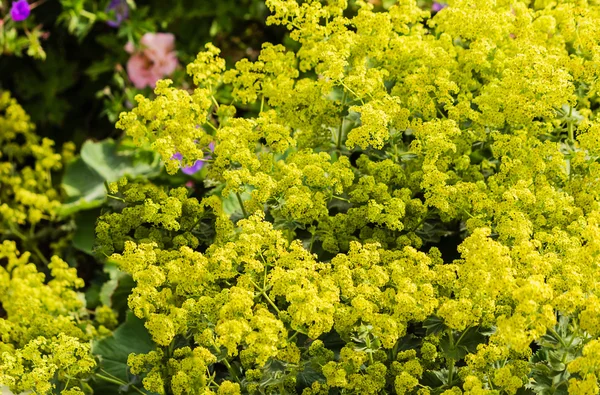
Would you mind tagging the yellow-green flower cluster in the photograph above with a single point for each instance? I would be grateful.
(28, 196)
(44, 331)
(378, 136)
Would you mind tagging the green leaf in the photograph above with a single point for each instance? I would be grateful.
(84, 187)
(307, 376)
(450, 350)
(435, 378)
(101, 162)
(84, 236)
(114, 292)
(470, 339)
(231, 205)
(112, 163)
(113, 351)
(434, 325)
(92, 295)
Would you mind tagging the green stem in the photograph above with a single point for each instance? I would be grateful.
(91, 16)
(293, 336)
(571, 132)
(110, 380)
(560, 339)
(451, 361)
(440, 112)
(462, 335)
(39, 254)
(239, 198)
(370, 351)
(340, 198)
(351, 91)
(264, 294)
(312, 241)
(341, 128)
(395, 350)
(118, 381)
(29, 244)
(115, 197)
(212, 126)
(571, 138)
(419, 223)
(232, 371)
(215, 101)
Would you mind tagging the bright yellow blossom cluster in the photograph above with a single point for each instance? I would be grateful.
(418, 207)
(45, 331)
(28, 197)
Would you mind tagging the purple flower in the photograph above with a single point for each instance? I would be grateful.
(197, 166)
(437, 7)
(20, 10)
(121, 10)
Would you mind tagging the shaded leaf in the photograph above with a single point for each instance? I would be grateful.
(84, 236)
(434, 325)
(113, 351)
(116, 290)
(101, 162)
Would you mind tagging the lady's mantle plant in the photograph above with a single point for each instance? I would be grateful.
(45, 329)
(379, 134)
(350, 158)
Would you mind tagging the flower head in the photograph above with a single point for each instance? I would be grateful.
(156, 60)
(197, 166)
(20, 10)
(121, 10)
(437, 7)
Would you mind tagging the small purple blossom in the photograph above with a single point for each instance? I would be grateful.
(121, 10)
(20, 10)
(197, 166)
(437, 7)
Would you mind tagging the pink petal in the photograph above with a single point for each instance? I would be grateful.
(159, 42)
(139, 74)
(165, 66)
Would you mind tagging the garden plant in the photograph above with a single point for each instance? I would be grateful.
(300, 197)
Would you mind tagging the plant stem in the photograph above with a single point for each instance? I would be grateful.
(89, 15)
(341, 128)
(212, 126)
(39, 254)
(116, 380)
(28, 242)
(215, 101)
(571, 139)
(451, 361)
(368, 344)
(115, 197)
(264, 294)
(239, 198)
(232, 372)
(340, 198)
(293, 336)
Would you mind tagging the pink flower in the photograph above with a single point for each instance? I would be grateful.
(154, 61)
